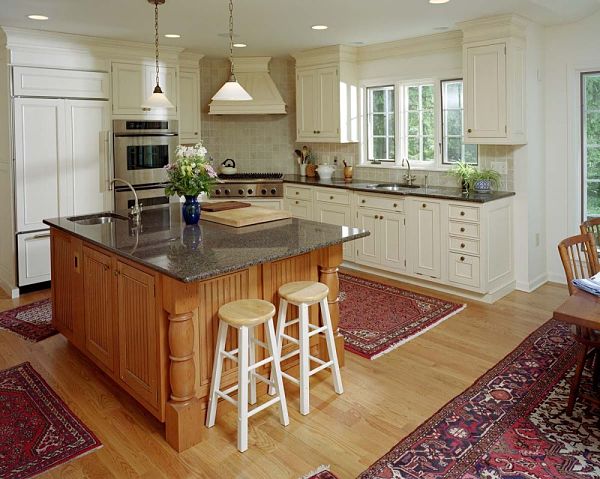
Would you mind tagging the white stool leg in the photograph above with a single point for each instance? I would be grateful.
(276, 369)
(216, 375)
(335, 367)
(304, 364)
(281, 319)
(242, 400)
(251, 361)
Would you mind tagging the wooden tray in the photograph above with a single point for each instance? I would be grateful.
(223, 205)
(251, 215)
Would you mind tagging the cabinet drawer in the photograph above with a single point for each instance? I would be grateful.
(300, 209)
(34, 257)
(298, 193)
(463, 245)
(464, 269)
(469, 230)
(389, 203)
(331, 195)
(463, 213)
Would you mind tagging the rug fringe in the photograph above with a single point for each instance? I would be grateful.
(410, 338)
(321, 468)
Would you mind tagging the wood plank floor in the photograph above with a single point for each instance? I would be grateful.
(384, 400)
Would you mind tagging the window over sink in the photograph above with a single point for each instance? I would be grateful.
(590, 128)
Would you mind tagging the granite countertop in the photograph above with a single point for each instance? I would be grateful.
(440, 192)
(164, 243)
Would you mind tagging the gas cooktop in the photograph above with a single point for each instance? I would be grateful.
(242, 185)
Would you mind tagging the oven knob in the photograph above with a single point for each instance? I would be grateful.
(227, 192)
(241, 192)
(250, 191)
(263, 192)
(273, 191)
(217, 192)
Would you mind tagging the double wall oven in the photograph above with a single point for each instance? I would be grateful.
(142, 148)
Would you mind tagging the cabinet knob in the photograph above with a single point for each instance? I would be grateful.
(381, 217)
(376, 217)
(195, 133)
(462, 245)
(297, 192)
(395, 205)
(462, 230)
(116, 273)
(318, 132)
(469, 130)
(462, 258)
(363, 201)
(462, 213)
(424, 205)
(331, 197)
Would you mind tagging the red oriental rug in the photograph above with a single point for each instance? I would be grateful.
(32, 322)
(510, 424)
(375, 318)
(322, 472)
(37, 430)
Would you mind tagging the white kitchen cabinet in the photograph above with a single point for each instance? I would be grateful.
(189, 105)
(426, 238)
(334, 214)
(33, 257)
(368, 249)
(494, 81)
(298, 200)
(327, 95)
(133, 83)
(393, 240)
(50, 82)
(464, 270)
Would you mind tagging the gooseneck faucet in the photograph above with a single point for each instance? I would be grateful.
(408, 177)
(136, 209)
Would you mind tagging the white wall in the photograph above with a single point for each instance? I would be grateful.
(569, 49)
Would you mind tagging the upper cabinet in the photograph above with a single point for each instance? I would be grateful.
(133, 83)
(49, 82)
(494, 80)
(189, 105)
(327, 95)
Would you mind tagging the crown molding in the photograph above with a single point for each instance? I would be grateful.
(496, 27)
(326, 55)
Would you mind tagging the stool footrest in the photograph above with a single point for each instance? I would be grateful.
(263, 379)
(258, 409)
(291, 378)
(290, 355)
(317, 330)
(320, 368)
(260, 343)
(230, 354)
(260, 363)
(291, 322)
(291, 339)
(223, 395)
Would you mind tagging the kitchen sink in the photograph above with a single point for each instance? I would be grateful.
(97, 219)
(392, 186)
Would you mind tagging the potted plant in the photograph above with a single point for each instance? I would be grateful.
(463, 171)
(484, 181)
(190, 175)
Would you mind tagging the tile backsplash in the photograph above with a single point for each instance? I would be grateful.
(266, 143)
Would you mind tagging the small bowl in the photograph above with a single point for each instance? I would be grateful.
(325, 172)
(228, 170)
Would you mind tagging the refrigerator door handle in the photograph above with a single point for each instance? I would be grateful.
(106, 154)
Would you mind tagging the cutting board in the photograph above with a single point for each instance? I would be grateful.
(251, 215)
(224, 205)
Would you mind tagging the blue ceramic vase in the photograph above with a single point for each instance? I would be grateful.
(191, 210)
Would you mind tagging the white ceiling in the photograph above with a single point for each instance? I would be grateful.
(275, 27)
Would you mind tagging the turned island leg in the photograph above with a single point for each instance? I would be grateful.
(329, 261)
(183, 412)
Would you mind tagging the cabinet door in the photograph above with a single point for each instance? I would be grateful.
(427, 239)
(128, 88)
(33, 257)
(393, 241)
(168, 84)
(336, 215)
(64, 265)
(86, 120)
(306, 103)
(41, 174)
(189, 106)
(98, 301)
(369, 248)
(485, 92)
(138, 332)
(328, 106)
(302, 209)
(464, 270)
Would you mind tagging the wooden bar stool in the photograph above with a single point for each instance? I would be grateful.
(304, 294)
(245, 315)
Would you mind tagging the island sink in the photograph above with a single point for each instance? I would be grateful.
(97, 219)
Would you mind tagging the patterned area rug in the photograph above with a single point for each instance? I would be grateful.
(37, 429)
(32, 322)
(510, 424)
(376, 318)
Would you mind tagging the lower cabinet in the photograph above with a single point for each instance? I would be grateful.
(426, 238)
(339, 215)
(33, 257)
(65, 270)
(385, 247)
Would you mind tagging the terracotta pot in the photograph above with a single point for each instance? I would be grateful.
(311, 170)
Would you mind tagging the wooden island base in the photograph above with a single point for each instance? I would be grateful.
(155, 336)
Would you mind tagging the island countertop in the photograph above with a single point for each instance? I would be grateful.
(165, 244)
(440, 192)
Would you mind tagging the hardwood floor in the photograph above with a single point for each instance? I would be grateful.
(384, 400)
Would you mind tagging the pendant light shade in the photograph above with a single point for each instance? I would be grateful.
(232, 90)
(158, 99)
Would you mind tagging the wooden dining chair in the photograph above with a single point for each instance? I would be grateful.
(592, 225)
(580, 260)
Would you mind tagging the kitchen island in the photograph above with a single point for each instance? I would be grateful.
(141, 300)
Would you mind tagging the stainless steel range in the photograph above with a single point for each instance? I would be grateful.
(249, 185)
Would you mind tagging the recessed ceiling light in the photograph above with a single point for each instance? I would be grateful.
(37, 17)
(436, 2)
(172, 35)
(319, 27)
(240, 45)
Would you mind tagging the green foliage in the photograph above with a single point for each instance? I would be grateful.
(191, 174)
(592, 91)
(462, 170)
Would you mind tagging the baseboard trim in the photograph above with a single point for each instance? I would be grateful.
(9, 289)
(531, 286)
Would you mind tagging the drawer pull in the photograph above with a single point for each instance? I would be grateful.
(462, 230)
(331, 197)
(381, 217)
(462, 245)
(297, 192)
(469, 130)
(395, 205)
(424, 205)
(462, 258)
(297, 202)
(376, 217)
(42, 235)
(462, 213)
(363, 201)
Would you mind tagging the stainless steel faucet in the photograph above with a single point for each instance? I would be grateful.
(136, 209)
(408, 177)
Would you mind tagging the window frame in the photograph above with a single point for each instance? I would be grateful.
(369, 124)
(403, 139)
(583, 142)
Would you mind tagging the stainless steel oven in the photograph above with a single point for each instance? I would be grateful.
(142, 148)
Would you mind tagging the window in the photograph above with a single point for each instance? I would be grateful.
(419, 123)
(381, 124)
(590, 118)
(453, 148)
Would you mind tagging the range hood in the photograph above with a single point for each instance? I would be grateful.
(253, 74)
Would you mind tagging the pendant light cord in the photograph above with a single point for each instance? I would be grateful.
(231, 38)
(156, 39)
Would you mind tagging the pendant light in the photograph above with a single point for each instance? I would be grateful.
(158, 99)
(232, 90)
